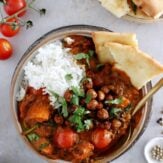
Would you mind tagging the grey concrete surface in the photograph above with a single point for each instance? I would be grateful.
(68, 12)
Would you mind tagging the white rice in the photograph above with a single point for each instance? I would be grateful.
(49, 68)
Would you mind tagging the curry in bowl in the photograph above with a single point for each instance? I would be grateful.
(73, 104)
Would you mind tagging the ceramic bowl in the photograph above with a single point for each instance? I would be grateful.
(57, 34)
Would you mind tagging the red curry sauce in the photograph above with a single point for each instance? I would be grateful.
(104, 110)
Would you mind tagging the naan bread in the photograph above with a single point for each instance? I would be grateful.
(117, 7)
(140, 67)
(152, 8)
(100, 38)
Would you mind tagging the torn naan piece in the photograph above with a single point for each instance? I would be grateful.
(140, 67)
(117, 7)
(100, 38)
(152, 8)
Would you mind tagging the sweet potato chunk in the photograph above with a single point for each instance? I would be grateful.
(39, 111)
(24, 105)
(82, 150)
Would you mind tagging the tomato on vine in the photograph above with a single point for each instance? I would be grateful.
(13, 6)
(10, 28)
(5, 49)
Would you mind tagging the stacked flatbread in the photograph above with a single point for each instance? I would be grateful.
(137, 8)
(121, 50)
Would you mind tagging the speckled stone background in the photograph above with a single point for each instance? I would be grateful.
(68, 12)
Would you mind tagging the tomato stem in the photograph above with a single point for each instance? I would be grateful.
(16, 15)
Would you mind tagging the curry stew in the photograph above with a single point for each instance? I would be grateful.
(97, 116)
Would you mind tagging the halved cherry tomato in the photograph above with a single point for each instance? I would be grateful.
(9, 30)
(13, 6)
(101, 138)
(64, 137)
(5, 49)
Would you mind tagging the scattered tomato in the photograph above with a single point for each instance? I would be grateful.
(64, 137)
(9, 30)
(13, 6)
(101, 138)
(5, 49)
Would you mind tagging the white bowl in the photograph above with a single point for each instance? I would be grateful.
(147, 150)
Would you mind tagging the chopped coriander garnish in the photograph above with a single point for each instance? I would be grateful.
(33, 137)
(75, 100)
(68, 77)
(42, 146)
(128, 108)
(29, 130)
(78, 91)
(77, 119)
(115, 112)
(85, 56)
(88, 98)
(63, 103)
(115, 101)
(88, 124)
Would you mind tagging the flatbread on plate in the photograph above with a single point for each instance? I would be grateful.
(117, 7)
(152, 8)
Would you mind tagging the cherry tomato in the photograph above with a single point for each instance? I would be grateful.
(64, 137)
(8, 30)
(5, 49)
(13, 6)
(101, 138)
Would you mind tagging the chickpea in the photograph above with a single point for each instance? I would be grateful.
(92, 93)
(58, 119)
(92, 105)
(116, 124)
(105, 89)
(102, 114)
(101, 95)
(100, 105)
(68, 95)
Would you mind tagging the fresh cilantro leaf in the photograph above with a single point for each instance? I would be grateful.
(115, 101)
(68, 77)
(63, 103)
(128, 108)
(54, 94)
(81, 56)
(115, 112)
(88, 124)
(42, 146)
(85, 56)
(33, 137)
(75, 100)
(88, 98)
(77, 119)
(78, 91)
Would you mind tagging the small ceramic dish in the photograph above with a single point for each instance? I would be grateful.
(148, 148)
